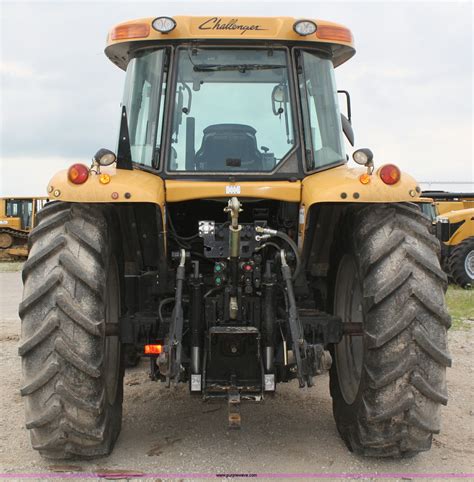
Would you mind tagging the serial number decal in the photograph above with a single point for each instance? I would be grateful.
(216, 23)
(232, 189)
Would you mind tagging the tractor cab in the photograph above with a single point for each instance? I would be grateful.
(245, 107)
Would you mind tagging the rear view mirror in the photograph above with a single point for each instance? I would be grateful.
(278, 94)
(278, 97)
(347, 129)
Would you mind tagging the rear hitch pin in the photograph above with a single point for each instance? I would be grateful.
(233, 402)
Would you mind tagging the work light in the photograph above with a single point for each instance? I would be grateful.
(363, 156)
(164, 24)
(304, 27)
(104, 157)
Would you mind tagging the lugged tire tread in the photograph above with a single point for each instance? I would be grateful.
(403, 381)
(422, 338)
(387, 289)
(49, 414)
(396, 239)
(50, 250)
(398, 406)
(51, 323)
(388, 377)
(426, 264)
(405, 320)
(67, 352)
(68, 414)
(85, 241)
(427, 389)
(68, 393)
(29, 302)
(416, 418)
(42, 377)
(72, 309)
(51, 208)
(43, 228)
(69, 263)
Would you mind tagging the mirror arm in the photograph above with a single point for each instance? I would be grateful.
(348, 104)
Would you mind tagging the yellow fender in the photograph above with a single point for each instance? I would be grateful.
(123, 186)
(343, 185)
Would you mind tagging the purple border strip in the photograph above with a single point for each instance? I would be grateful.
(131, 474)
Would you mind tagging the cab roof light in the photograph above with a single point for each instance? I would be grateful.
(164, 24)
(129, 31)
(304, 27)
(334, 32)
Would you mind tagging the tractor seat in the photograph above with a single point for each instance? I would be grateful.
(228, 147)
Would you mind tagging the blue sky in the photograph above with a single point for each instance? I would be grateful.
(410, 81)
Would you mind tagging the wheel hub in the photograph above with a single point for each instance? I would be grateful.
(112, 343)
(349, 352)
(469, 264)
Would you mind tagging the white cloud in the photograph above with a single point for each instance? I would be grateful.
(15, 69)
(21, 71)
(29, 176)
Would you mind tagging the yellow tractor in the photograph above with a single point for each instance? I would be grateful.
(230, 242)
(17, 218)
(455, 229)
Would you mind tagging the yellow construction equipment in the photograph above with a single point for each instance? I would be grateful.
(17, 219)
(454, 218)
(229, 241)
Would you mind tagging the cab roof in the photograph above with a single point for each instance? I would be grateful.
(125, 38)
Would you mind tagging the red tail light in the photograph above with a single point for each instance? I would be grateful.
(78, 173)
(153, 349)
(390, 174)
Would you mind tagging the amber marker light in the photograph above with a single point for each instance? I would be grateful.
(333, 32)
(153, 349)
(364, 178)
(78, 173)
(130, 30)
(390, 174)
(104, 178)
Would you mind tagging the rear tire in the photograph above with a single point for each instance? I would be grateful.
(461, 263)
(388, 384)
(72, 371)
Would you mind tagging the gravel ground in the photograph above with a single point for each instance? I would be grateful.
(167, 431)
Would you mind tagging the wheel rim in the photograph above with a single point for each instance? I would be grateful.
(112, 343)
(349, 352)
(469, 264)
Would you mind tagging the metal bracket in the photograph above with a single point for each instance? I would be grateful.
(233, 399)
(299, 345)
(174, 347)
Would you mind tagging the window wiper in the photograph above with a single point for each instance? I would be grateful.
(237, 67)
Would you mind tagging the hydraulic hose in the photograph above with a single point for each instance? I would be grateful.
(284, 237)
